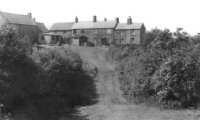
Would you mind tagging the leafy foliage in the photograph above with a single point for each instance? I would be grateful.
(164, 71)
(47, 81)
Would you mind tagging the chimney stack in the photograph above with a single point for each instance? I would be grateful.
(105, 19)
(34, 19)
(30, 15)
(117, 19)
(129, 20)
(76, 19)
(94, 18)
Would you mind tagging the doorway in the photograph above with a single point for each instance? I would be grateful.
(104, 41)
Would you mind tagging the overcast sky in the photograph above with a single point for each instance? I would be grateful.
(153, 13)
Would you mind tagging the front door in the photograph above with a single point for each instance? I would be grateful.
(132, 41)
(104, 41)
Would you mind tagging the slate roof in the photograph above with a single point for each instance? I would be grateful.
(50, 34)
(42, 27)
(18, 19)
(62, 26)
(124, 26)
(94, 25)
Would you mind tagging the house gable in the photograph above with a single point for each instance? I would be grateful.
(2, 20)
(18, 19)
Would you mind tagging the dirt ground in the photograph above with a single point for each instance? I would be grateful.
(111, 105)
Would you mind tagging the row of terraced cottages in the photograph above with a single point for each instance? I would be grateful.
(99, 33)
(24, 25)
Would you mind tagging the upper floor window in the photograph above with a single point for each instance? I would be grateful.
(64, 31)
(74, 32)
(96, 31)
(82, 31)
(122, 32)
(109, 31)
(132, 32)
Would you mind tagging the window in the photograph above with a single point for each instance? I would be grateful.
(33, 30)
(74, 32)
(53, 37)
(109, 31)
(55, 32)
(82, 31)
(95, 41)
(122, 32)
(132, 40)
(121, 40)
(132, 32)
(96, 31)
(64, 32)
(109, 40)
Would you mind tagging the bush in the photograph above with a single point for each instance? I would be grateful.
(50, 82)
(164, 71)
(17, 71)
(65, 85)
(176, 82)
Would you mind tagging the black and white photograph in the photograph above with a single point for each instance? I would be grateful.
(99, 60)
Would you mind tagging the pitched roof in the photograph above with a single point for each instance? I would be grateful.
(18, 19)
(105, 24)
(42, 27)
(125, 26)
(62, 26)
(83, 25)
(94, 25)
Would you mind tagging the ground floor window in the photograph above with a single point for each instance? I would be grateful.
(132, 40)
(109, 41)
(121, 40)
(95, 41)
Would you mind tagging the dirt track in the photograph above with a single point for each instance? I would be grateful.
(111, 105)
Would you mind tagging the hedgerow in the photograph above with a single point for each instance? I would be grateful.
(48, 82)
(163, 72)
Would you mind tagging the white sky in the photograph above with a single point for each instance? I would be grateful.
(153, 13)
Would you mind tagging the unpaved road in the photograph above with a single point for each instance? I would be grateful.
(111, 105)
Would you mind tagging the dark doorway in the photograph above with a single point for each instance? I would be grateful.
(104, 41)
(83, 40)
(132, 40)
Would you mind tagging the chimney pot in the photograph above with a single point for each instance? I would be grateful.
(105, 19)
(94, 18)
(76, 19)
(117, 19)
(129, 20)
(30, 15)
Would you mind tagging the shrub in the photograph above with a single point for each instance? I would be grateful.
(66, 84)
(50, 82)
(176, 81)
(18, 73)
(164, 71)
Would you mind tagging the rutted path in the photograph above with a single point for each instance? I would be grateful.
(111, 105)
